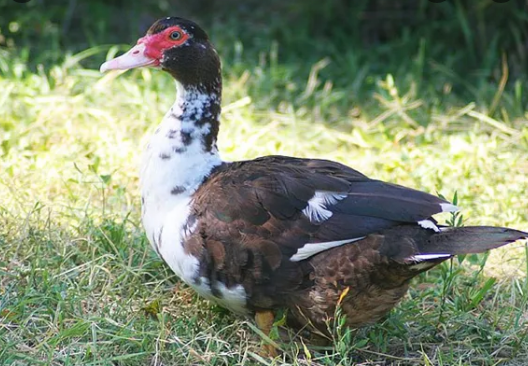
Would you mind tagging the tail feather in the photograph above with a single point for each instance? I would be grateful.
(413, 243)
(470, 239)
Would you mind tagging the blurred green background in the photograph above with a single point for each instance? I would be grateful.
(459, 43)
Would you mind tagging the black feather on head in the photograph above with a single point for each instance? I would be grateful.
(189, 26)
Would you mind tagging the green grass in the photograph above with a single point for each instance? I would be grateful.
(79, 284)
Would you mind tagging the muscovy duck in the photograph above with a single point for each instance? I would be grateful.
(277, 232)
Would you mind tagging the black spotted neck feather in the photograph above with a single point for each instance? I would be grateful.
(179, 157)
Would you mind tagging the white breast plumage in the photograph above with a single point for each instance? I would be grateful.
(175, 164)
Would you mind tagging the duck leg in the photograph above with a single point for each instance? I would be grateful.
(264, 320)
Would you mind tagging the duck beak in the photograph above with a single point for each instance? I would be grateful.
(135, 57)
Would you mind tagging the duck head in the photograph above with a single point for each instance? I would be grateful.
(178, 46)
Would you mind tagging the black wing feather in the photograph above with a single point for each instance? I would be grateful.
(388, 201)
(273, 191)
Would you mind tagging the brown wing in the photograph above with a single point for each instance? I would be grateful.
(252, 218)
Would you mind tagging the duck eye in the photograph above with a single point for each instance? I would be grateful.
(175, 35)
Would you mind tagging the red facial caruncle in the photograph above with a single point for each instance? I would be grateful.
(159, 42)
(149, 50)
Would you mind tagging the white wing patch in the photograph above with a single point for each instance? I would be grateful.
(310, 249)
(422, 260)
(317, 211)
(428, 224)
(425, 257)
(448, 207)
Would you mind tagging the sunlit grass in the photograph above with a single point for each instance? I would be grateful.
(80, 285)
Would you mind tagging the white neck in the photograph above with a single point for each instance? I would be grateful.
(178, 158)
